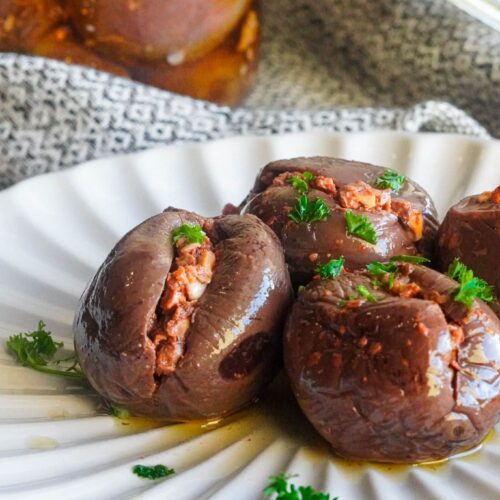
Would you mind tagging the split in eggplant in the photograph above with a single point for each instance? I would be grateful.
(162, 345)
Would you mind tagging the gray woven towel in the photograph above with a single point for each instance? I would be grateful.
(318, 55)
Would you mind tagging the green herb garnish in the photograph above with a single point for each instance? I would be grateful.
(152, 472)
(470, 287)
(309, 211)
(37, 350)
(364, 292)
(412, 259)
(360, 226)
(390, 179)
(119, 411)
(301, 181)
(280, 486)
(379, 268)
(299, 184)
(331, 269)
(192, 232)
(382, 269)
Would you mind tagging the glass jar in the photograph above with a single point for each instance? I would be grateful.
(203, 48)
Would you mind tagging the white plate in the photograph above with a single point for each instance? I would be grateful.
(56, 229)
(487, 11)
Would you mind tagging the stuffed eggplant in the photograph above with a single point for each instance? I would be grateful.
(398, 363)
(183, 319)
(322, 208)
(471, 233)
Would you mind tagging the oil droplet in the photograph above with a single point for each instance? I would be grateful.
(42, 443)
(176, 58)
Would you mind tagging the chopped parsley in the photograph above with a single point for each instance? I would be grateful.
(360, 226)
(119, 411)
(364, 292)
(37, 350)
(152, 472)
(331, 269)
(308, 176)
(388, 269)
(301, 181)
(390, 179)
(379, 268)
(280, 489)
(412, 259)
(192, 232)
(470, 287)
(309, 211)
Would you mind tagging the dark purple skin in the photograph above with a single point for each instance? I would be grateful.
(380, 383)
(233, 344)
(471, 232)
(329, 238)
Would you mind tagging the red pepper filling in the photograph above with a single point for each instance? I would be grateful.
(186, 282)
(361, 196)
(493, 196)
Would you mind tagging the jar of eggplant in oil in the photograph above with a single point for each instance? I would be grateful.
(207, 49)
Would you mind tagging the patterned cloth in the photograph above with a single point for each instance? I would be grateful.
(318, 55)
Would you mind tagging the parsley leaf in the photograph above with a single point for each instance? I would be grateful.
(37, 349)
(379, 268)
(364, 292)
(192, 232)
(331, 269)
(279, 486)
(388, 269)
(299, 184)
(360, 226)
(309, 211)
(390, 179)
(119, 411)
(470, 287)
(412, 259)
(301, 181)
(152, 472)
(308, 176)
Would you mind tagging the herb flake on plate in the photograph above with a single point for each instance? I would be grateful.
(37, 350)
(152, 472)
(280, 488)
(119, 411)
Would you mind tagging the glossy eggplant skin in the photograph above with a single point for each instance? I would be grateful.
(471, 232)
(153, 30)
(234, 341)
(385, 381)
(328, 239)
